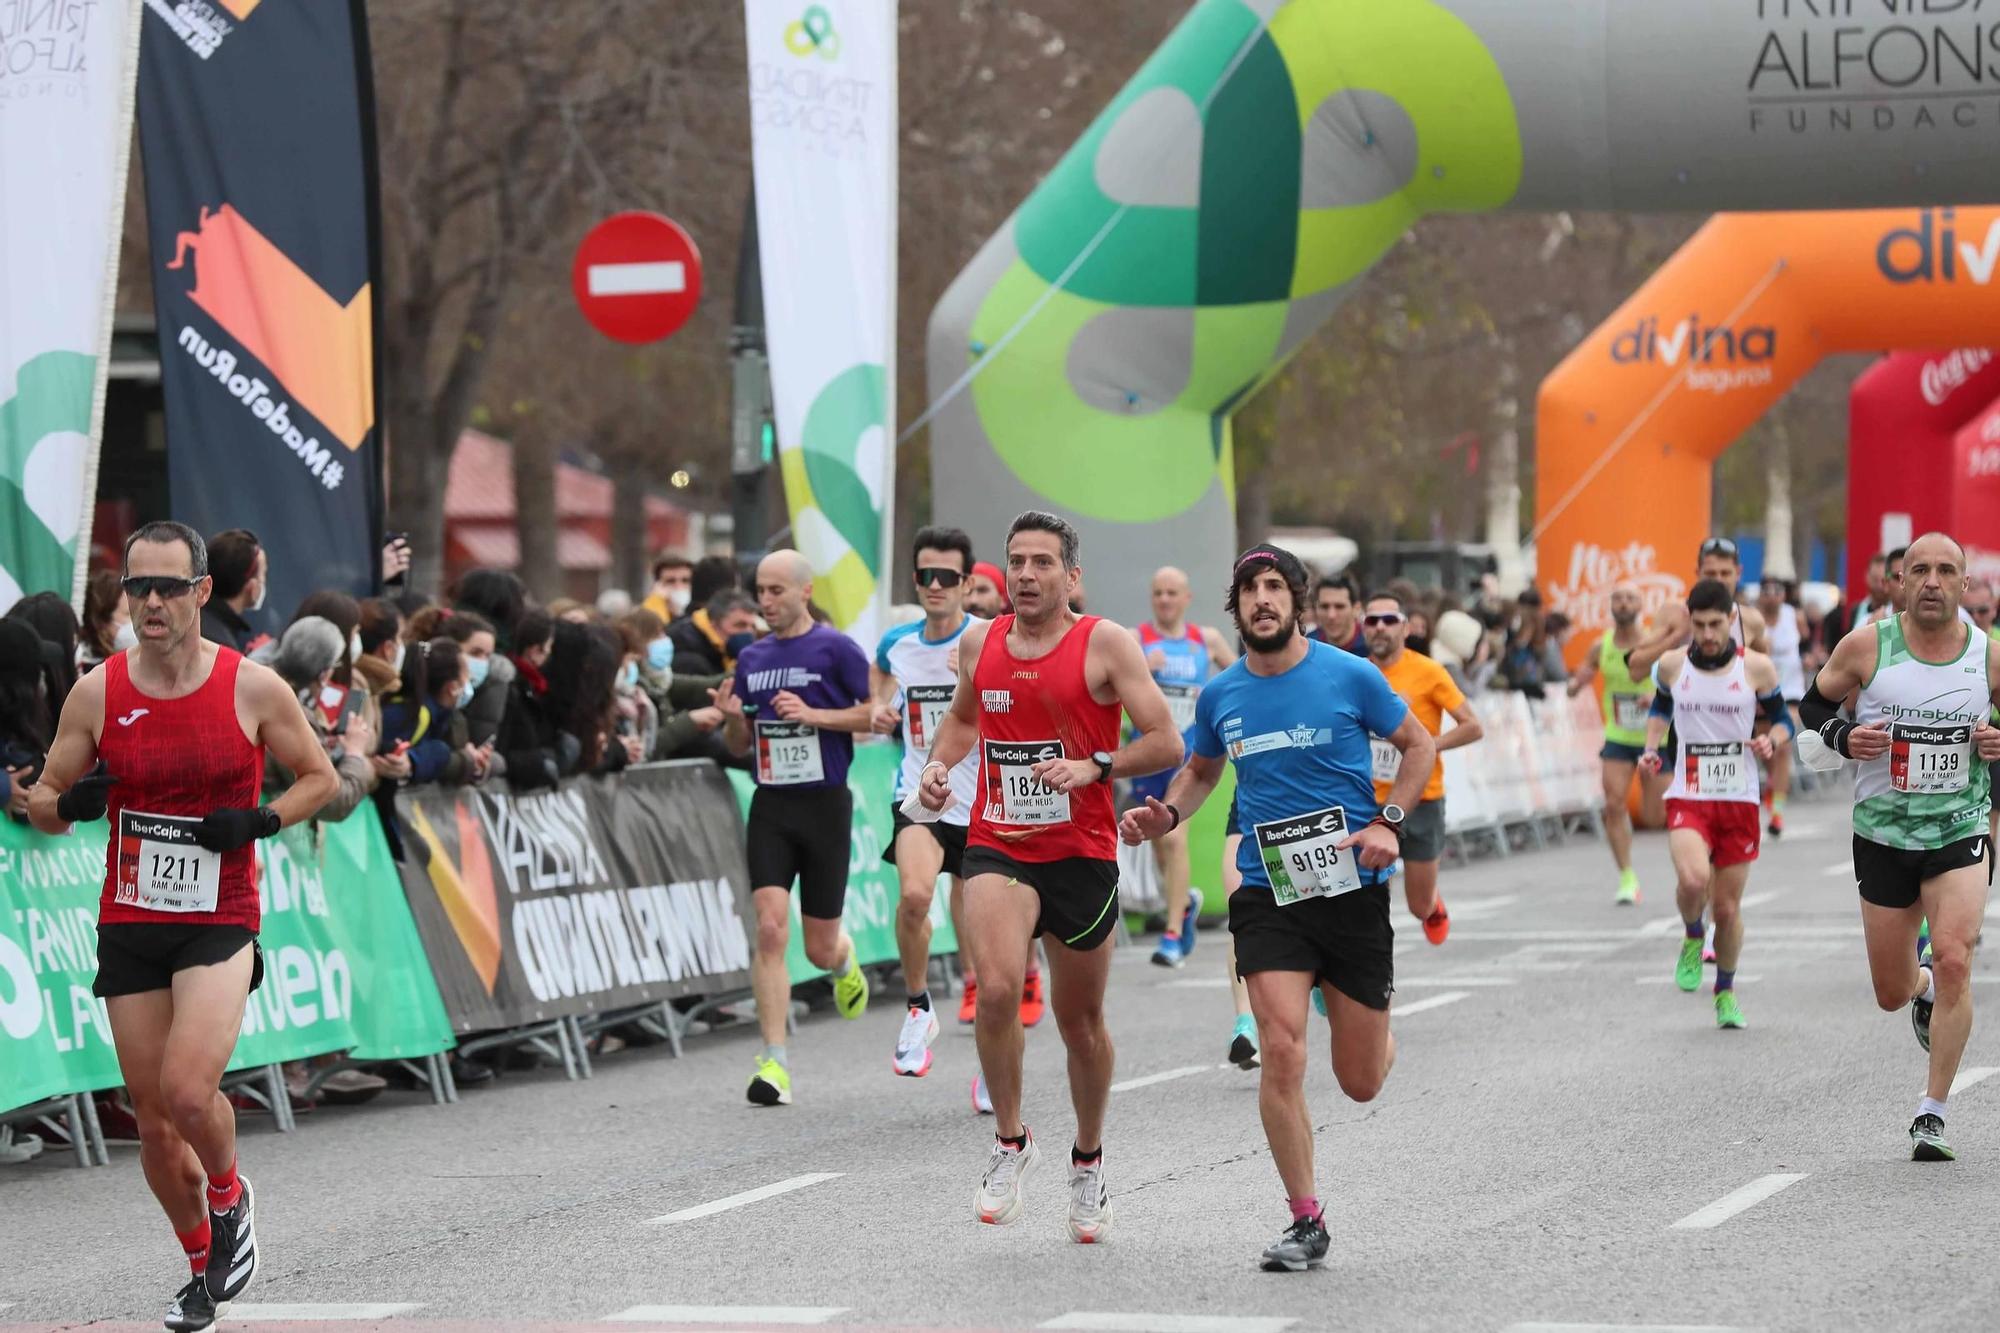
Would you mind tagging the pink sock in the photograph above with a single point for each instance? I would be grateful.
(1306, 1207)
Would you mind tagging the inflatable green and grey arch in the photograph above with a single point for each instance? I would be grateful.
(1226, 201)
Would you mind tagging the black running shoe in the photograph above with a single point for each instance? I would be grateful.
(1303, 1246)
(192, 1309)
(1243, 1052)
(1927, 1140)
(232, 1248)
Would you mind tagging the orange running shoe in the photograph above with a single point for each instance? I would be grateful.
(1438, 924)
(1031, 1000)
(968, 1004)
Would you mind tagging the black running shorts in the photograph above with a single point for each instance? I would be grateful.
(1079, 895)
(803, 834)
(134, 957)
(1893, 876)
(951, 837)
(1345, 941)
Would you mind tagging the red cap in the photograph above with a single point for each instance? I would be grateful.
(986, 569)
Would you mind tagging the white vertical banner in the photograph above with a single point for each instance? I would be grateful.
(66, 77)
(823, 143)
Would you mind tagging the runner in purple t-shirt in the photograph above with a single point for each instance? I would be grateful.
(797, 698)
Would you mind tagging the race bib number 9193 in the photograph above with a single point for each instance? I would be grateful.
(1303, 859)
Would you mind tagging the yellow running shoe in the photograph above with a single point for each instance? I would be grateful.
(850, 991)
(771, 1085)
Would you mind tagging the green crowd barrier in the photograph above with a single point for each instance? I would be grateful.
(343, 967)
(872, 889)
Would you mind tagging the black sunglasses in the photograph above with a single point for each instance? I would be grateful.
(1390, 618)
(1717, 546)
(139, 587)
(932, 577)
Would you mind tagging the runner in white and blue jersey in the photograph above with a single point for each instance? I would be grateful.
(1295, 718)
(1182, 657)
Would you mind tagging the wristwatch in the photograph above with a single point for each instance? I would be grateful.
(1393, 815)
(1103, 762)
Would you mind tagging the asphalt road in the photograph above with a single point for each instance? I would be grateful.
(1566, 1141)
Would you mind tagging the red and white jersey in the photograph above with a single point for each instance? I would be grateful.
(1714, 719)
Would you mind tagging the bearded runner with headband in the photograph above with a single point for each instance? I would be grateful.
(1295, 717)
(177, 727)
(1039, 694)
(1712, 693)
(1921, 740)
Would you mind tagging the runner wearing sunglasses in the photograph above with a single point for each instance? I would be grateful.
(1432, 695)
(168, 742)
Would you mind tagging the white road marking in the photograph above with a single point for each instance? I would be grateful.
(316, 1310)
(1114, 1321)
(1150, 1079)
(1737, 1200)
(1199, 983)
(1434, 1002)
(1761, 897)
(1845, 869)
(1793, 832)
(1626, 1328)
(1463, 907)
(1453, 981)
(1652, 979)
(727, 1314)
(1968, 1077)
(637, 279)
(762, 1192)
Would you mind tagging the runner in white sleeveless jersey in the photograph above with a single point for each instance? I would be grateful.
(1921, 800)
(1722, 704)
(1785, 627)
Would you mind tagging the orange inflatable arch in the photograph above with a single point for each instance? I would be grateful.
(1629, 426)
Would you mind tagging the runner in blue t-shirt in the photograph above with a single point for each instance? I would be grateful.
(1295, 716)
(793, 706)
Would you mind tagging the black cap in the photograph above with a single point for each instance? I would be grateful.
(1260, 558)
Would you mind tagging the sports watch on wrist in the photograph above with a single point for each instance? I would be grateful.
(1392, 816)
(1103, 762)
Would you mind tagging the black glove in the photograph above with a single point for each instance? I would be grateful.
(87, 797)
(226, 830)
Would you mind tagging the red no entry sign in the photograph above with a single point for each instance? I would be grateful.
(637, 277)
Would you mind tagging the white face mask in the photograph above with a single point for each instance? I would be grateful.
(677, 598)
(354, 646)
(396, 663)
(124, 638)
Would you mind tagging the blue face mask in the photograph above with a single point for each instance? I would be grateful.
(736, 643)
(477, 667)
(629, 675)
(660, 653)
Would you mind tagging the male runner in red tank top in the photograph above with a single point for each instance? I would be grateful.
(168, 739)
(1039, 693)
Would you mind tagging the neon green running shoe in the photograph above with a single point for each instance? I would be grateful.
(1628, 887)
(1687, 972)
(1727, 1014)
(771, 1085)
(850, 992)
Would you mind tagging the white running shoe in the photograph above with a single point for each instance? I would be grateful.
(1089, 1203)
(913, 1044)
(982, 1100)
(998, 1201)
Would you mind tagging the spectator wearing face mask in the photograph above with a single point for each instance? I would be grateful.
(307, 655)
(376, 651)
(528, 744)
(483, 702)
(422, 716)
(107, 624)
(238, 570)
(686, 717)
(334, 700)
(27, 723)
(672, 590)
(707, 642)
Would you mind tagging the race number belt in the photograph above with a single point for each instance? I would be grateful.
(1014, 795)
(1715, 768)
(1385, 760)
(1303, 859)
(924, 707)
(1180, 704)
(1927, 759)
(161, 868)
(1628, 711)
(788, 754)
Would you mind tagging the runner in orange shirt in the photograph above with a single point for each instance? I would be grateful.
(1431, 693)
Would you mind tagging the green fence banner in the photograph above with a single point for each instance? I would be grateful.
(872, 889)
(343, 968)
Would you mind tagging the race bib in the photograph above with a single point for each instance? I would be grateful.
(1628, 711)
(1385, 759)
(1930, 759)
(1180, 704)
(1715, 769)
(162, 868)
(1303, 859)
(924, 706)
(1014, 795)
(788, 754)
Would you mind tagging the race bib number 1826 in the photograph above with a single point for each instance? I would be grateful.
(1014, 794)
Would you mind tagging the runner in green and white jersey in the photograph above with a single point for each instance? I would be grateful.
(1626, 699)
(1922, 740)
